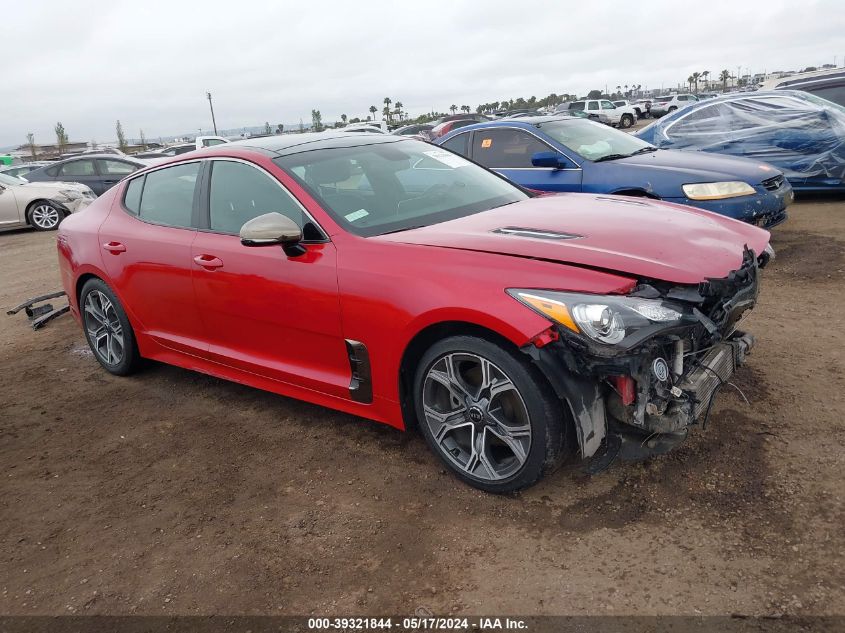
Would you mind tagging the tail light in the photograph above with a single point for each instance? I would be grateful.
(443, 131)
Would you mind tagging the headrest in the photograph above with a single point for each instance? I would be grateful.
(329, 171)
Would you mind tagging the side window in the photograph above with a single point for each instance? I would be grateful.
(593, 105)
(132, 197)
(78, 168)
(241, 192)
(53, 171)
(209, 142)
(168, 195)
(504, 148)
(115, 167)
(459, 144)
(576, 105)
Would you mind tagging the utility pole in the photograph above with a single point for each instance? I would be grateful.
(213, 122)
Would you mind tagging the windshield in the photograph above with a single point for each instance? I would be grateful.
(591, 140)
(384, 187)
(11, 181)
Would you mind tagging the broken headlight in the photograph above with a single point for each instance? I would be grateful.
(604, 319)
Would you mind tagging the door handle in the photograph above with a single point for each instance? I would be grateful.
(114, 247)
(209, 262)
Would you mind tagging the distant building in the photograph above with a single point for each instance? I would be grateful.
(43, 152)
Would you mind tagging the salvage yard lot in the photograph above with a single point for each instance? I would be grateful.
(172, 492)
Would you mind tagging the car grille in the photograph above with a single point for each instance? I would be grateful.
(773, 184)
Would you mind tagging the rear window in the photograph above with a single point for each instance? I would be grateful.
(168, 195)
(132, 197)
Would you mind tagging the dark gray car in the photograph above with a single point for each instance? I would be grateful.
(98, 171)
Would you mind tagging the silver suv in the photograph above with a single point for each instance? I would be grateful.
(670, 103)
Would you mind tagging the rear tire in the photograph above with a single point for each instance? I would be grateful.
(488, 414)
(671, 109)
(107, 329)
(44, 216)
(626, 121)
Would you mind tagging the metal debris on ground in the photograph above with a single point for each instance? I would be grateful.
(40, 315)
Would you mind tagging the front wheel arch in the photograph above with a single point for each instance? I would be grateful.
(418, 346)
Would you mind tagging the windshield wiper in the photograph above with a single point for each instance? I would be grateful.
(406, 228)
(611, 157)
(644, 150)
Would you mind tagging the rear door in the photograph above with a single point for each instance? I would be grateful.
(146, 241)
(81, 170)
(265, 312)
(113, 170)
(508, 151)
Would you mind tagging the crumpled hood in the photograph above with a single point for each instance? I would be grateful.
(634, 236)
(690, 166)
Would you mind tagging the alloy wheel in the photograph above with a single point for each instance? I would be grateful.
(103, 326)
(45, 216)
(476, 415)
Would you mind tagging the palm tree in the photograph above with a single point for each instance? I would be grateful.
(343, 118)
(398, 105)
(705, 74)
(387, 102)
(690, 79)
(373, 111)
(618, 88)
(723, 77)
(695, 77)
(453, 108)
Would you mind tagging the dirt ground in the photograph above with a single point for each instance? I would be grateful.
(174, 493)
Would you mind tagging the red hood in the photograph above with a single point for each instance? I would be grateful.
(636, 236)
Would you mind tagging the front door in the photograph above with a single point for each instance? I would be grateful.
(146, 247)
(508, 151)
(81, 170)
(265, 312)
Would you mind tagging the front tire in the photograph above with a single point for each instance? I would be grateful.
(626, 121)
(44, 216)
(107, 329)
(488, 414)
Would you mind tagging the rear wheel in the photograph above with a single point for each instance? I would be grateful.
(671, 109)
(626, 121)
(107, 329)
(44, 216)
(488, 414)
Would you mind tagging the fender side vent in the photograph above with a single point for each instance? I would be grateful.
(537, 234)
(360, 386)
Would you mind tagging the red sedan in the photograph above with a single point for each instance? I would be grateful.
(400, 282)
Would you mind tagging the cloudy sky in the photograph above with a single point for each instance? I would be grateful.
(150, 63)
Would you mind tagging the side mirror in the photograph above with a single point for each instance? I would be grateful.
(273, 228)
(554, 160)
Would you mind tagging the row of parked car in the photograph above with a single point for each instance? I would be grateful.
(755, 148)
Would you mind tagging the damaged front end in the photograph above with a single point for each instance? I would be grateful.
(638, 370)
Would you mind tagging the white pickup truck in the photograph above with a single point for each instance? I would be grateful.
(619, 117)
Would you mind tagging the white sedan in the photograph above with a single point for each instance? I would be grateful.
(41, 205)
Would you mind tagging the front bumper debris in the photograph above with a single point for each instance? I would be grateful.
(642, 401)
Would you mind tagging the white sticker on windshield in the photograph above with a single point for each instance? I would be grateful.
(447, 158)
(356, 215)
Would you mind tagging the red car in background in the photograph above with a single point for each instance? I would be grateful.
(400, 282)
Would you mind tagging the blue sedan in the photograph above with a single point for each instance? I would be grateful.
(565, 154)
